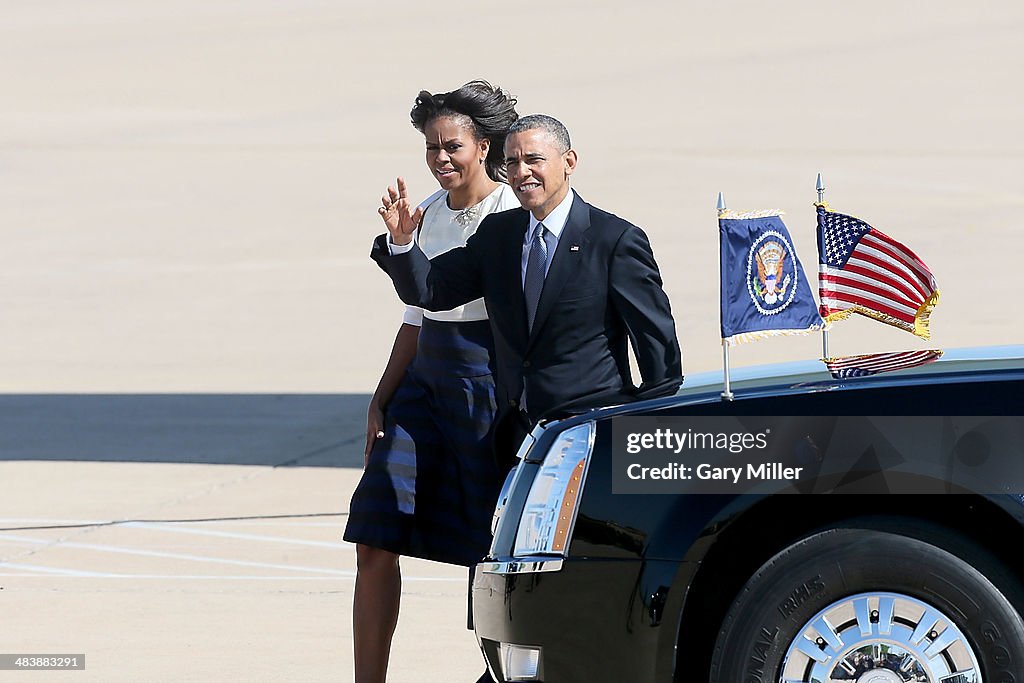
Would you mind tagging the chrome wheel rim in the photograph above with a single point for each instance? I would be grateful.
(880, 638)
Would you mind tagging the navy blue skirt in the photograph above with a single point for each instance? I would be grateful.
(430, 485)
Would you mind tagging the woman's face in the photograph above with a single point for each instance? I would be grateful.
(453, 155)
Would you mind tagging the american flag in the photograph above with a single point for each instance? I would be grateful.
(846, 367)
(863, 270)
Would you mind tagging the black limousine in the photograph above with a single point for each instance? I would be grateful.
(917, 576)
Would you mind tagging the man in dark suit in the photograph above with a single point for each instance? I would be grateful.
(565, 283)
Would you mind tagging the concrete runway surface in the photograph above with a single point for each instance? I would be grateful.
(198, 538)
(190, 325)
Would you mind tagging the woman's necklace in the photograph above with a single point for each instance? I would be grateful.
(467, 216)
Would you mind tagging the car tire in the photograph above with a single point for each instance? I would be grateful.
(778, 627)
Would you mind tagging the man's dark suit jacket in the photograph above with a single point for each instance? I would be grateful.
(603, 287)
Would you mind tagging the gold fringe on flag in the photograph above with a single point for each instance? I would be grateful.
(923, 314)
(729, 214)
(745, 337)
(921, 318)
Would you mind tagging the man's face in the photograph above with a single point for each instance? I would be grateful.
(538, 171)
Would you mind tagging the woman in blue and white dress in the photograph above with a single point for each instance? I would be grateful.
(430, 480)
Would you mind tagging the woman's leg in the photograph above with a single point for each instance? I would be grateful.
(374, 611)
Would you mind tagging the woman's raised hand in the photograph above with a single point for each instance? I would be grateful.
(398, 215)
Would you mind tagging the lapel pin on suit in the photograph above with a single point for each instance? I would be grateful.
(574, 247)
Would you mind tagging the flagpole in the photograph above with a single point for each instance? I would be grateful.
(819, 185)
(727, 394)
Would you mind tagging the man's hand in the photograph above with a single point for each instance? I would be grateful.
(398, 215)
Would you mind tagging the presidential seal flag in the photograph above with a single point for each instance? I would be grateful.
(863, 270)
(764, 289)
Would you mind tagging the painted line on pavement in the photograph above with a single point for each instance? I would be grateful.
(54, 572)
(230, 534)
(171, 556)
